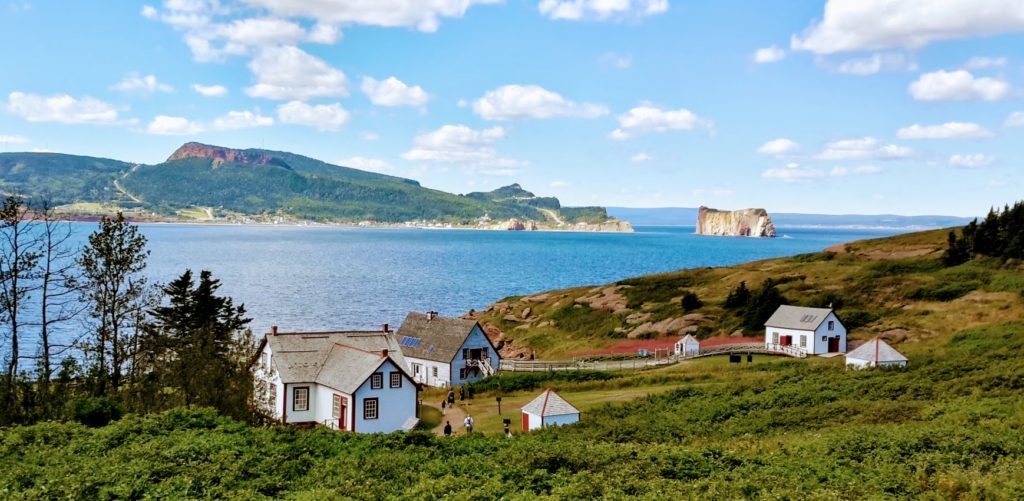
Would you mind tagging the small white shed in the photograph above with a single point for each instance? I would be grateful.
(875, 353)
(548, 409)
(687, 346)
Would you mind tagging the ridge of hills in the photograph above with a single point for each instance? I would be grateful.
(257, 182)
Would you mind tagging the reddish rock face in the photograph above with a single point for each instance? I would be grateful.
(199, 150)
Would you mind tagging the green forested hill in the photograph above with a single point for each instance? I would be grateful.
(265, 182)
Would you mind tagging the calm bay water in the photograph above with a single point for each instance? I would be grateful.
(322, 278)
(303, 278)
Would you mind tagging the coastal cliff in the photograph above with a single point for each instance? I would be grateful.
(738, 223)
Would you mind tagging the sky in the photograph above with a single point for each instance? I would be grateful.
(840, 106)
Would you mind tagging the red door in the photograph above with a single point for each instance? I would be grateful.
(833, 345)
(341, 418)
(526, 422)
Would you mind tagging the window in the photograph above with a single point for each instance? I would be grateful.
(803, 341)
(376, 381)
(370, 410)
(465, 353)
(336, 407)
(272, 398)
(266, 360)
(775, 338)
(462, 373)
(396, 379)
(417, 369)
(483, 353)
(823, 338)
(831, 325)
(300, 399)
(433, 371)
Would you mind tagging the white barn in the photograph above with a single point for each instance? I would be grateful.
(548, 409)
(814, 331)
(687, 346)
(444, 351)
(354, 380)
(875, 353)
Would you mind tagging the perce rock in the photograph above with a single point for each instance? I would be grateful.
(737, 223)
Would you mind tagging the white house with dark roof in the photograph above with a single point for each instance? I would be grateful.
(353, 380)
(445, 351)
(548, 409)
(814, 331)
(875, 353)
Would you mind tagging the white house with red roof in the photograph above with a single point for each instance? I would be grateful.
(548, 409)
(351, 380)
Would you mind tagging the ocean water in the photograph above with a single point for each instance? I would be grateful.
(322, 278)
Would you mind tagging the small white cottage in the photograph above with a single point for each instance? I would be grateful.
(355, 381)
(548, 409)
(687, 346)
(814, 331)
(875, 353)
(444, 351)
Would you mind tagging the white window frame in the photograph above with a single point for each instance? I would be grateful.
(775, 338)
(433, 371)
(336, 405)
(371, 412)
(395, 379)
(376, 381)
(831, 325)
(803, 341)
(296, 400)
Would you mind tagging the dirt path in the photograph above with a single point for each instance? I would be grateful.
(553, 215)
(456, 414)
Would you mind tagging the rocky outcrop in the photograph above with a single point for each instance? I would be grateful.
(219, 155)
(611, 226)
(737, 223)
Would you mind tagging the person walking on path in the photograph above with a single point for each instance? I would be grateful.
(451, 397)
(469, 424)
(442, 407)
(462, 393)
(447, 428)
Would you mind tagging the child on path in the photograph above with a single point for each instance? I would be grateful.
(447, 428)
(469, 424)
(443, 403)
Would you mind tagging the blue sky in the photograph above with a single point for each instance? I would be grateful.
(838, 106)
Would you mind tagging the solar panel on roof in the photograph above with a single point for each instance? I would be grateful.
(808, 318)
(411, 342)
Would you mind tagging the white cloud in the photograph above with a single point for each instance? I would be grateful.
(793, 172)
(326, 34)
(148, 84)
(976, 161)
(641, 157)
(559, 184)
(289, 73)
(260, 32)
(368, 164)
(769, 55)
(16, 139)
(511, 102)
(61, 108)
(615, 61)
(985, 63)
(948, 130)
(1016, 119)
(369, 136)
(210, 90)
(648, 118)
(394, 92)
(958, 85)
(777, 147)
(164, 125)
(422, 15)
(458, 143)
(149, 12)
(876, 63)
(574, 10)
(863, 148)
(326, 117)
(241, 120)
(856, 25)
(861, 170)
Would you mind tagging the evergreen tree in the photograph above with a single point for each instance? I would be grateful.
(206, 344)
(762, 304)
(691, 301)
(957, 251)
(738, 297)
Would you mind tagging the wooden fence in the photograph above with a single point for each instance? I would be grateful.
(642, 363)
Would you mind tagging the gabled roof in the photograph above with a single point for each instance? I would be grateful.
(798, 317)
(876, 351)
(340, 360)
(434, 337)
(550, 403)
(688, 339)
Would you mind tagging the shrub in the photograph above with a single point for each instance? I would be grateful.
(95, 411)
(691, 302)
(945, 291)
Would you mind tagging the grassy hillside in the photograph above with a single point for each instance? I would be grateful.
(895, 287)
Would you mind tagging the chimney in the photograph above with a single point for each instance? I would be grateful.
(385, 328)
(273, 330)
(384, 353)
(431, 315)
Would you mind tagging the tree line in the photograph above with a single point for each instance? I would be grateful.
(86, 336)
(998, 235)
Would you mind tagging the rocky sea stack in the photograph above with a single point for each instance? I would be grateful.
(737, 223)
